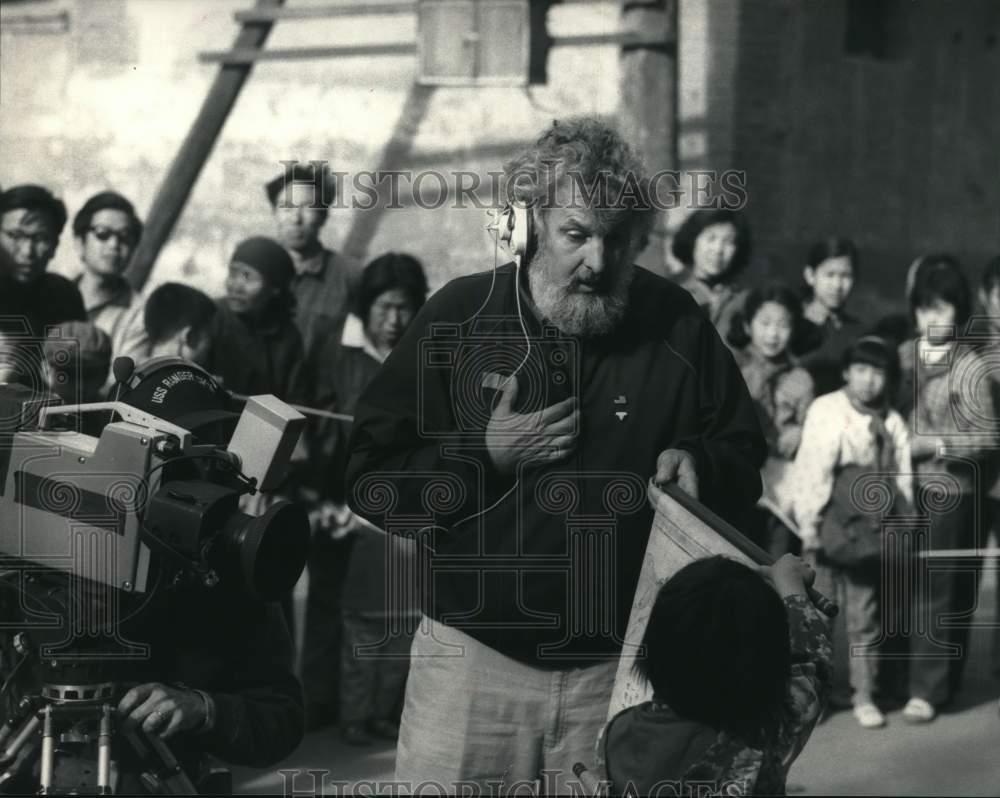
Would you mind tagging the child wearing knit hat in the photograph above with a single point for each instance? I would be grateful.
(256, 346)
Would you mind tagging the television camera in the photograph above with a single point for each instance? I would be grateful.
(103, 508)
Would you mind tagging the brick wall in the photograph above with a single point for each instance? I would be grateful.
(898, 152)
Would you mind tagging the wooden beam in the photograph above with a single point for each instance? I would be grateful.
(350, 9)
(622, 38)
(250, 55)
(35, 24)
(195, 149)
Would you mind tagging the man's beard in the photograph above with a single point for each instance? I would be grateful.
(586, 315)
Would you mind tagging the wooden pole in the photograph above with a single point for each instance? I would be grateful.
(648, 97)
(188, 163)
(351, 8)
(253, 55)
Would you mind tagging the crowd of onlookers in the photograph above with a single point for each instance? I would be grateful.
(866, 420)
(870, 422)
(297, 320)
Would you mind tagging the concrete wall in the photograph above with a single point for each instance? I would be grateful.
(107, 103)
(898, 153)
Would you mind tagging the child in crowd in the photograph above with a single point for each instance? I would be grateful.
(782, 392)
(739, 662)
(178, 320)
(714, 245)
(827, 328)
(849, 434)
(947, 396)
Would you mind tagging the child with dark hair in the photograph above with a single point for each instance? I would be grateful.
(947, 396)
(782, 392)
(739, 662)
(848, 435)
(714, 245)
(827, 328)
(178, 322)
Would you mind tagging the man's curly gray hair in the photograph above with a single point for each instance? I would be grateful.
(604, 173)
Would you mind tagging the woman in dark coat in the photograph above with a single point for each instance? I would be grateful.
(347, 615)
(256, 346)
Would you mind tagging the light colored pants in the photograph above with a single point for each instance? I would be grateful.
(857, 594)
(475, 716)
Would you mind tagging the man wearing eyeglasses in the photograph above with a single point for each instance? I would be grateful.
(32, 299)
(106, 230)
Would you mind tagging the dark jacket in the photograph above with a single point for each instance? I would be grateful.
(49, 300)
(346, 370)
(376, 580)
(820, 349)
(239, 652)
(544, 568)
(26, 311)
(648, 748)
(217, 640)
(266, 357)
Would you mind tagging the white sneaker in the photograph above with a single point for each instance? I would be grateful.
(917, 710)
(869, 716)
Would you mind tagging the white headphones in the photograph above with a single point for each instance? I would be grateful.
(517, 230)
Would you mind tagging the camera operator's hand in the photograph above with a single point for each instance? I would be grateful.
(545, 436)
(677, 465)
(163, 710)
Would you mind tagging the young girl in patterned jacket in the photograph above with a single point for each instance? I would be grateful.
(781, 391)
(739, 662)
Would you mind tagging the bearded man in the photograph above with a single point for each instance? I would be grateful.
(513, 431)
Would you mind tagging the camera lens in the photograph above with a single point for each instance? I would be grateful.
(267, 553)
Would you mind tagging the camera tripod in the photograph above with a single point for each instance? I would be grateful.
(60, 696)
(68, 731)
